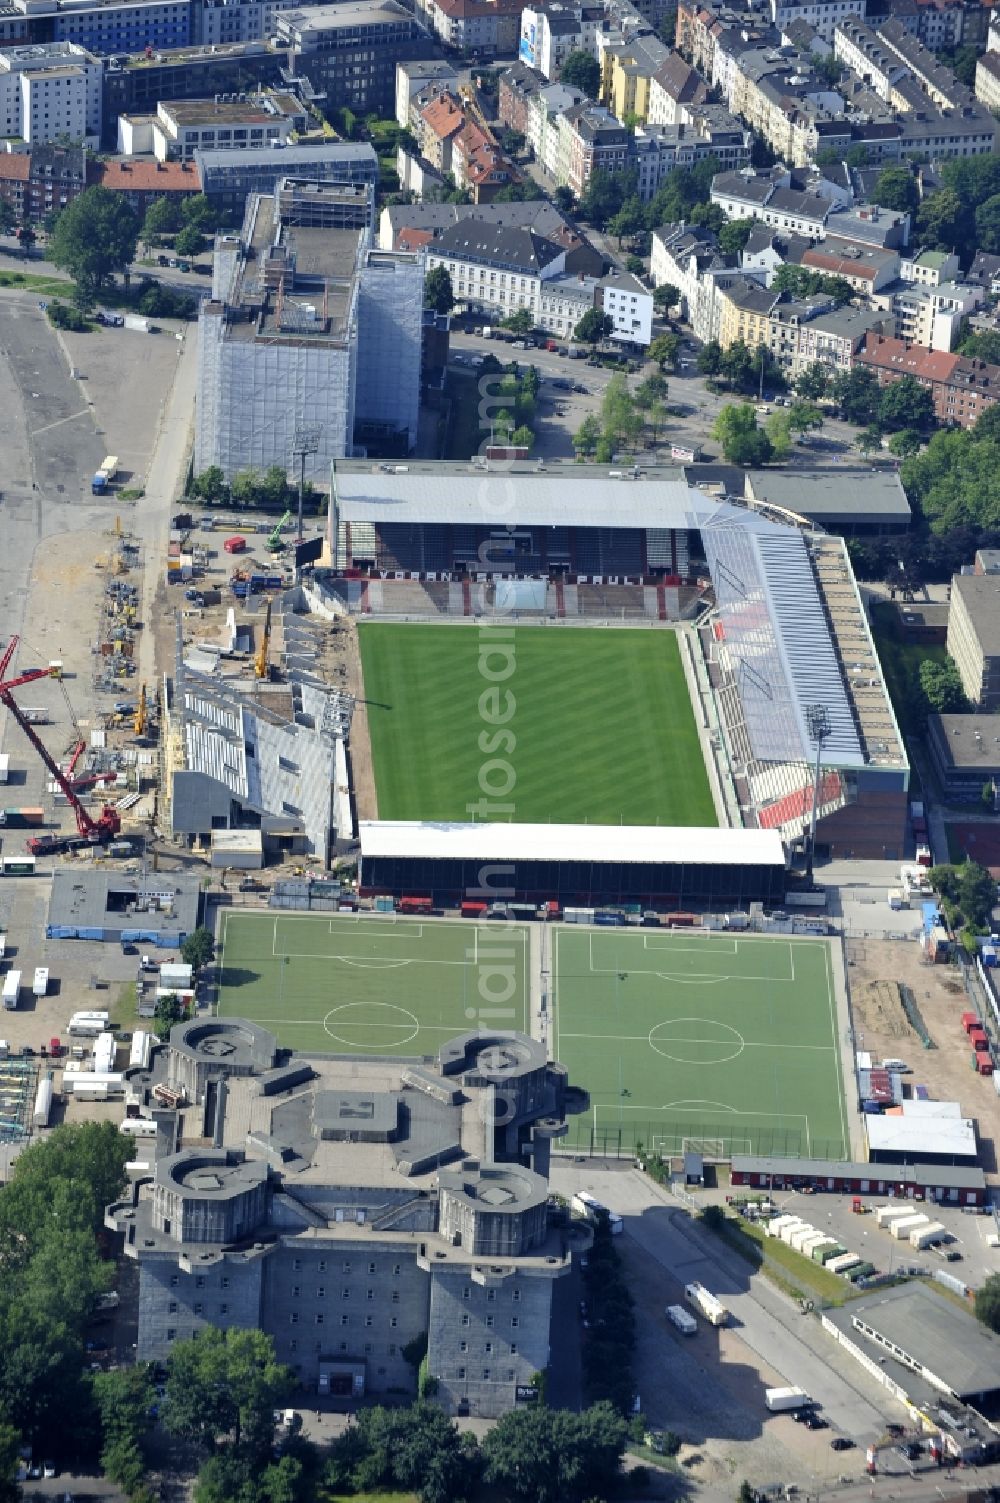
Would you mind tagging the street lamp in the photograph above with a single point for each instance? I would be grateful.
(819, 728)
(304, 441)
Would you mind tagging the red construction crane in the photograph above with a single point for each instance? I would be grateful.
(91, 831)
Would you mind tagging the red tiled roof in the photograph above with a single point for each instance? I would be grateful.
(148, 177)
(15, 166)
(412, 240)
(465, 10)
(903, 359)
(444, 116)
(840, 266)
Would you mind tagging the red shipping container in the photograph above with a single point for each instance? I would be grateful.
(235, 545)
(969, 1021)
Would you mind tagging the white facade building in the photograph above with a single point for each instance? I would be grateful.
(48, 90)
(630, 306)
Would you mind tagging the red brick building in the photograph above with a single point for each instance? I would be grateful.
(46, 178)
(962, 388)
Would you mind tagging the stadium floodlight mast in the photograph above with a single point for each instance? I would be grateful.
(304, 441)
(819, 727)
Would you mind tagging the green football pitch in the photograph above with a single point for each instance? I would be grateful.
(723, 1043)
(598, 728)
(351, 984)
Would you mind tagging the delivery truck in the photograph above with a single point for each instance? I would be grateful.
(11, 990)
(783, 1400)
(706, 1304)
(901, 1229)
(679, 1317)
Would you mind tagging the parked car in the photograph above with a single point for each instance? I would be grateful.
(841, 1443)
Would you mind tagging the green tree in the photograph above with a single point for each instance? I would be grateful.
(546, 1455)
(8, 219)
(163, 217)
(803, 416)
(734, 235)
(743, 443)
(96, 237)
(869, 440)
(520, 323)
(709, 359)
(168, 1011)
(905, 404)
(10, 1443)
(190, 241)
(617, 407)
(522, 437)
(779, 430)
(896, 189)
(856, 393)
(604, 450)
(651, 390)
(664, 349)
(905, 443)
(666, 296)
(583, 72)
(198, 212)
(629, 221)
(593, 327)
(941, 220)
(737, 366)
(438, 291)
(983, 345)
(605, 194)
(198, 949)
(563, 199)
(813, 383)
(801, 282)
(210, 485)
(942, 688)
(988, 225)
(586, 437)
(225, 1383)
(123, 1398)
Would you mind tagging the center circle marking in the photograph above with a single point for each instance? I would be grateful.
(696, 1041)
(356, 1017)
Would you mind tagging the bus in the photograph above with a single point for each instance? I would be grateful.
(587, 1205)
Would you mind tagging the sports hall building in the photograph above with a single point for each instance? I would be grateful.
(779, 631)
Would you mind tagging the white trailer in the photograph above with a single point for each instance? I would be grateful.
(886, 1215)
(40, 985)
(11, 990)
(781, 1400)
(706, 1304)
(788, 1232)
(139, 1127)
(88, 1024)
(820, 1239)
(106, 1083)
(4, 767)
(923, 1236)
(679, 1317)
(43, 1103)
(801, 1235)
(774, 1226)
(901, 1229)
(843, 1263)
(142, 1043)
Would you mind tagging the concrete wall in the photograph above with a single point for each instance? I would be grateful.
(174, 1305)
(501, 1330)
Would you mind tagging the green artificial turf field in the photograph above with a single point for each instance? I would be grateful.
(600, 727)
(723, 1042)
(353, 984)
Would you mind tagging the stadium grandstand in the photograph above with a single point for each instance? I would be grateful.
(779, 628)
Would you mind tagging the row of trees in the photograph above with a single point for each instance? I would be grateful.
(517, 391)
(257, 490)
(967, 895)
(955, 481)
(962, 215)
(747, 444)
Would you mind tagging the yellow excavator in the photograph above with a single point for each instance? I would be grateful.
(261, 663)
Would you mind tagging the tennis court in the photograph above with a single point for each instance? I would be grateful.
(720, 1043)
(354, 984)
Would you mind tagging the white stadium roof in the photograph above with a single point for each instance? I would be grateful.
(633, 844)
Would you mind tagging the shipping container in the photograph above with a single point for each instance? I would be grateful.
(706, 1304)
(235, 544)
(40, 985)
(842, 1263)
(783, 1400)
(824, 1249)
(21, 817)
(923, 1236)
(11, 990)
(17, 866)
(679, 1317)
(886, 1215)
(901, 1229)
(826, 1255)
(43, 1103)
(970, 1020)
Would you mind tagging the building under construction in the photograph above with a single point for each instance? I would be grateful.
(308, 330)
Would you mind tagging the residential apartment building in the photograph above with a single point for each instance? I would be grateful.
(822, 15)
(221, 22)
(135, 85)
(518, 86)
(481, 27)
(542, 123)
(757, 316)
(102, 27)
(349, 51)
(674, 85)
(551, 32)
(938, 82)
(627, 72)
(962, 388)
(590, 140)
(416, 226)
(50, 91)
(942, 24)
(142, 183)
(658, 149)
(744, 195)
(974, 636)
(784, 100)
(690, 260)
(437, 127)
(929, 268)
(834, 338)
(36, 180)
(934, 315)
(413, 77)
(299, 333)
(988, 80)
(181, 127)
(868, 268)
(377, 1205)
(629, 304)
(496, 270)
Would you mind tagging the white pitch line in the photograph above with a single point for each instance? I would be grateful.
(643, 1038)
